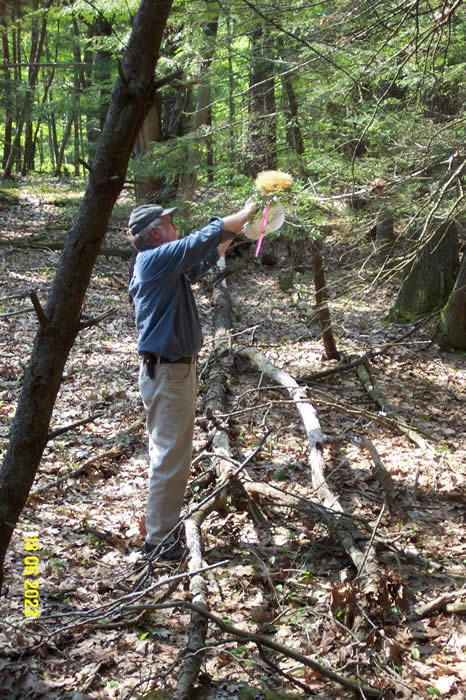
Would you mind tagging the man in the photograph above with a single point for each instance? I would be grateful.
(170, 338)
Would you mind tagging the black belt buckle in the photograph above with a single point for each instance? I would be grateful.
(149, 362)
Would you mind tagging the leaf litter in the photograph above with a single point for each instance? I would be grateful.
(291, 579)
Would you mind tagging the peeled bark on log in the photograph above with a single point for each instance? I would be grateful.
(347, 534)
(305, 409)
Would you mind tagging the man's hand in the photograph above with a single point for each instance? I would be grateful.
(235, 222)
(251, 205)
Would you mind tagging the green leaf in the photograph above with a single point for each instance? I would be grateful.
(434, 691)
(416, 653)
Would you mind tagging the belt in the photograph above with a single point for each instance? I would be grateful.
(150, 359)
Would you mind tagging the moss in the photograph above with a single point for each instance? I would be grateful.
(398, 315)
(8, 198)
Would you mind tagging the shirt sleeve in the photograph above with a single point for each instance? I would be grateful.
(196, 271)
(186, 254)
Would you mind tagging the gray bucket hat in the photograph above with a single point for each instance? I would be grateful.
(147, 214)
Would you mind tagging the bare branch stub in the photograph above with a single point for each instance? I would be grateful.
(41, 315)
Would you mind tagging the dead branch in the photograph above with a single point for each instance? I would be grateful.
(66, 428)
(366, 564)
(267, 642)
(20, 312)
(215, 402)
(95, 321)
(124, 253)
(349, 362)
(381, 474)
(114, 452)
(305, 409)
(197, 631)
(43, 320)
(321, 397)
(316, 441)
(381, 401)
(443, 602)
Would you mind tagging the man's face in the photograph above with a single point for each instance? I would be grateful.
(168, 229)
(165, 231)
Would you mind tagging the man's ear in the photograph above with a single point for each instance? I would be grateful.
(156, 235)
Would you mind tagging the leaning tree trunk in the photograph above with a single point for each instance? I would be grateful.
(430, 280)
(131, 100)
(452, 331)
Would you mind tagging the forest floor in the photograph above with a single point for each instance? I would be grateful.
(290, 579)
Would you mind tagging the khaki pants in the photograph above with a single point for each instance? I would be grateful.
(170, 403)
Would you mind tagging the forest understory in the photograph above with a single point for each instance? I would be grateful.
(362, 574)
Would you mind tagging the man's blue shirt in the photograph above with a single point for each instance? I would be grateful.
(166, 315)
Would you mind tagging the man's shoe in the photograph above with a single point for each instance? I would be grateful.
(170, 551)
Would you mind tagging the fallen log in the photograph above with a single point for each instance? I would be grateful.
(365, 562)
(31, 244)
(372, 390)
(214, 403)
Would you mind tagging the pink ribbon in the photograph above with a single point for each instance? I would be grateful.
(261, 236)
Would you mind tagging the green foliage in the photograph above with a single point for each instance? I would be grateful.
(378, 93)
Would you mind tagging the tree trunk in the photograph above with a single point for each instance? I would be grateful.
(452, 332)
(149, 133)
(293, 124)
(430, 280)
(231, 99)
(8, 87)
(201, 115)
(384, 238)
(37, 45)
(130, 103)
(64, 141)
(323, 311)
(262, 148)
